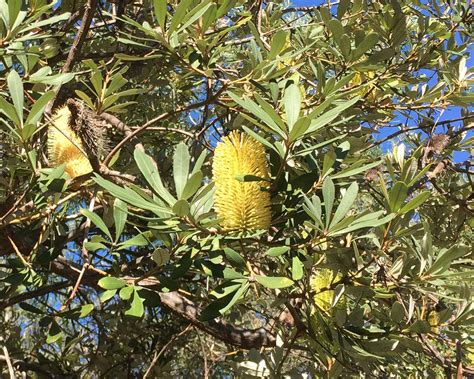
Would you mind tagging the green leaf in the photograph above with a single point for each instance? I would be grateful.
(354, 171)
(192, 185)
(236, 297)
(161, 9)
(292, 104)
(179, 14)
(368, 221)
(300, 128)
(277, 251)
(181, 160)
(111, 283)
(234, 258)
(342, 8)
(161, 256)
(446, 257)
(397, 196)
(397, 312)
(120, 217)
(30, 308)
(296, 268)
(258, 111)
(195, 14)
(138, 240)
(328, 196)
(420, 326)
(136, 308)
(107, 295)
(367, 43)
(250, 178)
(278, 42)
(382, 55)
(9, 111)
(415, 202)
(38, 107)
(94, 246)
(336, 28)
(15, 87)
(97, 221)
(181, 208)
(331, 115)
(126, 292)
(345, 204)
(150, 172)
(274, 282)
(54, 333)
(259, 138)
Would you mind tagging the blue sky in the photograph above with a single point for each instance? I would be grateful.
(449, 113)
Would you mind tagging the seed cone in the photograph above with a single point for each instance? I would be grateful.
(64, 146)
(241, 205)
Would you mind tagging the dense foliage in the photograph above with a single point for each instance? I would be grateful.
(362, 109)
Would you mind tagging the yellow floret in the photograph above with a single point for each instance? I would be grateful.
(64, 146)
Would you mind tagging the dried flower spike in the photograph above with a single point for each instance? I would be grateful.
(64, 146)
(241, 205)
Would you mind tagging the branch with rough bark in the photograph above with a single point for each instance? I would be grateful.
(172, 301)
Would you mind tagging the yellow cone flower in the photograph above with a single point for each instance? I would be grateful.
(64, 146)
(241, 205)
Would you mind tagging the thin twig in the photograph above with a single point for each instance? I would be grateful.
(85, 256)
(164, 348)
(9, 363)
(159, 118)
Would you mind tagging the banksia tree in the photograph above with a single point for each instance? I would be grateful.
(241, 205)
(65, 147)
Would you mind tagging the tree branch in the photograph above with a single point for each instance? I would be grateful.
(183, 307)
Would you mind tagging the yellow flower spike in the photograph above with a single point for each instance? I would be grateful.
(241, 205)
(64, 146)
